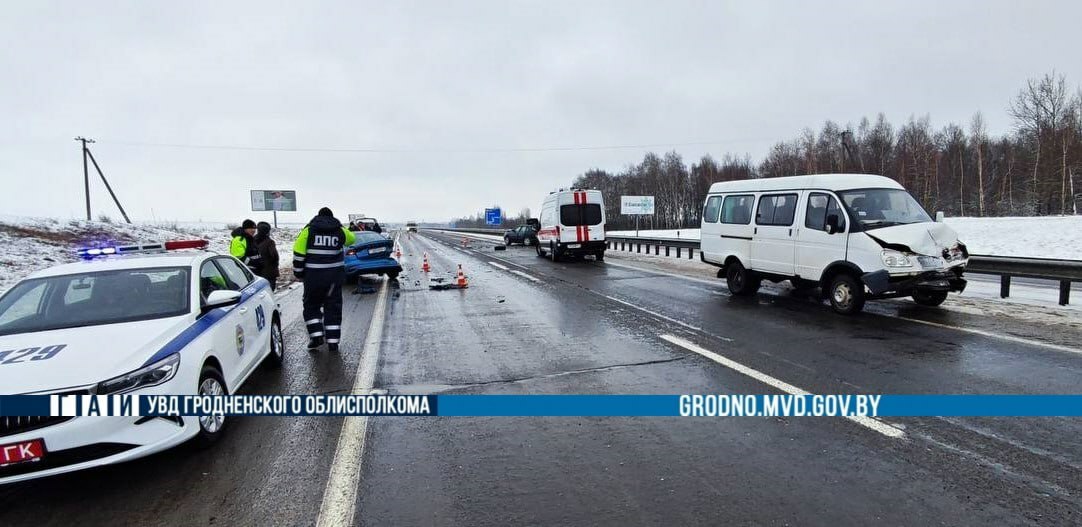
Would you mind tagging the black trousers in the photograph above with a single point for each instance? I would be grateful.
(323, 303)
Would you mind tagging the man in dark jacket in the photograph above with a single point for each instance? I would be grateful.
(243, 246)
(319, 260)
(268, 253)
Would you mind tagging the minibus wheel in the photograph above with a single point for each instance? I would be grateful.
(846, 294)
(741, 282)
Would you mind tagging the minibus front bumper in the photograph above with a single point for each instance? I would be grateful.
(883, 284)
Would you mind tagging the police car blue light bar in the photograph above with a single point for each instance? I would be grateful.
(94, 252)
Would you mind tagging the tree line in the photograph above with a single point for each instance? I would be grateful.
(959, 169)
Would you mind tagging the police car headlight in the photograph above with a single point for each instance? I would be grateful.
(896, 259)
(151, 375)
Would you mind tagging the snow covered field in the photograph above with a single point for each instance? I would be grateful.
(29, 244)
(1034, 237)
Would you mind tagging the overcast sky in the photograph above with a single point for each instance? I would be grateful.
(446, 89)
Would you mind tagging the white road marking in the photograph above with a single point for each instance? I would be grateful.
(714, 283)
(498, 266)
(990, 334)
(508, 262)
(526, 276)
(340, 495)
(659, 315)
(867, 422)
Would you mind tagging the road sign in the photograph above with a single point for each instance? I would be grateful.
(492, 217)
(276, 200)
(636, 204)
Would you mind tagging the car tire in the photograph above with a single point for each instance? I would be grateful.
(211, 428)
(554, 253)
(741, 282)
(846, 294)
(507, 241)
(929, 298)
(600, 256)
(276, 357)
(392, 275)
(527, 241)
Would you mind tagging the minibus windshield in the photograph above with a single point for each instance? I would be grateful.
(883, 207)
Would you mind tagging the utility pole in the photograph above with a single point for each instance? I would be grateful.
(86, 174)
(86, 180)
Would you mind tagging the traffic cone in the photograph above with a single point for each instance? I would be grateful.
(461, 281)
(465, 241)
(398, 252)
(425, 267)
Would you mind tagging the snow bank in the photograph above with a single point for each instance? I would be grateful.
(29, 244)
(1033, 237)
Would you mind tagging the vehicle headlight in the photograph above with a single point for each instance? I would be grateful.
(893, 258)
(931, 262)
(144, 377)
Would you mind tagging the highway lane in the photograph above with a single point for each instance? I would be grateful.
(526, 325)
(1015, 470)
(264, 471)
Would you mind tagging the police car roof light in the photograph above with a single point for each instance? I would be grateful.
(94, 252)
(186, 244)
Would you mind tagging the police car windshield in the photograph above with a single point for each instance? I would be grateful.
(883, 207)
(90, 299)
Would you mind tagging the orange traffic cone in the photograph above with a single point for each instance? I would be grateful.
(465, 241)
(461, 281)
(425, 267)
(398, 252)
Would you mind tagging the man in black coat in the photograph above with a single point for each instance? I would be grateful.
(268, 253)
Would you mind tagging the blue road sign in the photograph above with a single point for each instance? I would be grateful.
(492, 217)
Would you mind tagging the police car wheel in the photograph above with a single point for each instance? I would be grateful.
(277, 346)
(210, 426)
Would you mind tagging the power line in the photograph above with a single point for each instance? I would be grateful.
(375, 150)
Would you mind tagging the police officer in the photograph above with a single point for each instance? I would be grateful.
(319, 260)
(244, 248)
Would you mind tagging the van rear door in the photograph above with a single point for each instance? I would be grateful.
(773, 244)
(582, 220)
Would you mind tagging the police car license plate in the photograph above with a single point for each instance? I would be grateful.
(375, 250)
(574, 245)
(32, 450)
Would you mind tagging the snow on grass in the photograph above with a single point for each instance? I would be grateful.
(30, 244)
(1032, 237)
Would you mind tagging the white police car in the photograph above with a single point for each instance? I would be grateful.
(150, 322)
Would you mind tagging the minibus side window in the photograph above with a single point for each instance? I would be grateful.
(776, 209)
(710, 212)
(820, 206)
(737, 209)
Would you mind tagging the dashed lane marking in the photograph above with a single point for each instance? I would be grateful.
(867, 422)
(526, 276)
(498, 266)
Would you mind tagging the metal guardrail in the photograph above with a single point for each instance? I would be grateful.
(1006, 267)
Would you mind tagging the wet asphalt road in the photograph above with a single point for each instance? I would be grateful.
(527, 325)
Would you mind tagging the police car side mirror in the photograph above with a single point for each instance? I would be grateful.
(221, 298)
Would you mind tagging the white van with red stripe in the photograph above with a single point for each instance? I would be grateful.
(572, 224)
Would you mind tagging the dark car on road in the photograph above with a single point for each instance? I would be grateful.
(524, 234)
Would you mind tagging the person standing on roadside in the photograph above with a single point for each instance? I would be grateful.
(268, 253)
(243, 247)
(319, 260)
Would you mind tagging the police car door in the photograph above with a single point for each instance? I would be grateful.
(226, 321)
(252, 336)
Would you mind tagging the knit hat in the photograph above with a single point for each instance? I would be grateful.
(325, 212)
(248, 224)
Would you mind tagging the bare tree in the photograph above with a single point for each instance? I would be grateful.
(978, 138)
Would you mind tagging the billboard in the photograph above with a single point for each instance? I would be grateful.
(636, 204)
(283, 200)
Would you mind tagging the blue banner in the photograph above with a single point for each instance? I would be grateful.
(692, 405)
